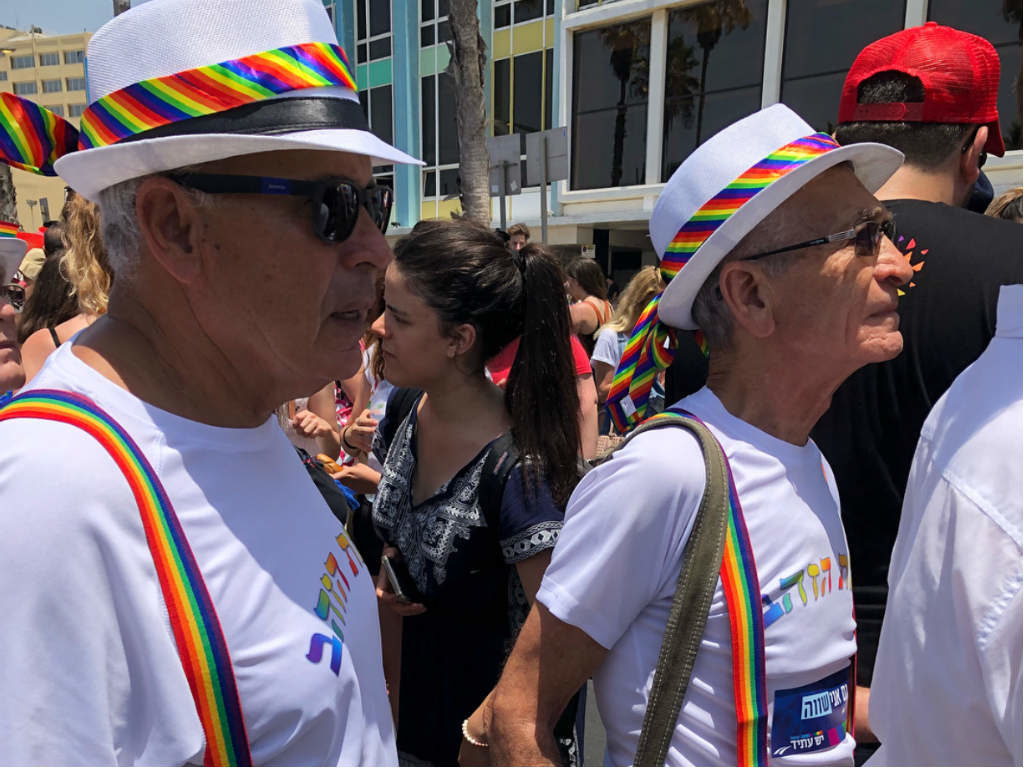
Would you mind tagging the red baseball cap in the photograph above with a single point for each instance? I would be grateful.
(959, 72)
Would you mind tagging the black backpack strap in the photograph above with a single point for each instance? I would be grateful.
(400, 403)
(502, 458)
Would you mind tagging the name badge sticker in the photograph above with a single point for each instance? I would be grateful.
(812, 717)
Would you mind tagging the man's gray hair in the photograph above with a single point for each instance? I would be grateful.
(119, 227)
(710, 312)
(122, 237)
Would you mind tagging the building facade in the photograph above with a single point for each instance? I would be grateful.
(49, 70)
(638, 85)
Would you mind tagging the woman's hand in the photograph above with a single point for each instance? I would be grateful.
(358, 434)
(308, 424)
(387, 596)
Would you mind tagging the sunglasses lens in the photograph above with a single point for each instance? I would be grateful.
(381, 200)
(337, 213)
(15, 294)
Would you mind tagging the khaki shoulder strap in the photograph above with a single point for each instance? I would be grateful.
(695, 589)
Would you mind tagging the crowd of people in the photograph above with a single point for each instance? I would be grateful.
(317, 500)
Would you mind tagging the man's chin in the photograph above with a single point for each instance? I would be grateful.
(885, 348)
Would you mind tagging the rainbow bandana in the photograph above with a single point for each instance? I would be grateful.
(651, 348)
(8, 230)
(33, 138)
(197, 633)
(746, 628)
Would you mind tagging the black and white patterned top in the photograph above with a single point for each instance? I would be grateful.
(462, 559)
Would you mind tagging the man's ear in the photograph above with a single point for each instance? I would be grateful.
(170, 226)
(969, 170)
(461, 340)
(749, 296)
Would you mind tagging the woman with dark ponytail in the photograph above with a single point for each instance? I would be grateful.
(467, 529)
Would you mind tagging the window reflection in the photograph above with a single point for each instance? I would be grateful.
(999, 22)
(610, 91)
(823, 37)
(713, 71)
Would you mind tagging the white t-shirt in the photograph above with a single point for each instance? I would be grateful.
(89, 668)
(607, 348)
(617, 561)
(948, 684)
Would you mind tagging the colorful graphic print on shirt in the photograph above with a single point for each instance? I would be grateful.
(907, 247)
(331, 603)
(819, 579)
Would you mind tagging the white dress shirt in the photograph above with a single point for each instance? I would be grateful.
(947, 683)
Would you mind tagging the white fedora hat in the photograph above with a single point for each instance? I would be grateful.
(731, 183)
(179, 82)
(12, 251)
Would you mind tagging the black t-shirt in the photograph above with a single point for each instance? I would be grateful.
(870, 432)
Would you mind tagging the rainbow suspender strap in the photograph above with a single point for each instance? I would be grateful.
(197, 632)
(746, 627)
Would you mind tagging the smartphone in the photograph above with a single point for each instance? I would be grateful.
(400, 580)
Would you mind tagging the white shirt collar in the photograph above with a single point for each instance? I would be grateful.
(1010, 311)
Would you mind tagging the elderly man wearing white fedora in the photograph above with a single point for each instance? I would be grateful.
(173, 588)
(775, 249)
(12, 298)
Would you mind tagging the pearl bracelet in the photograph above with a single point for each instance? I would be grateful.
(470, 739)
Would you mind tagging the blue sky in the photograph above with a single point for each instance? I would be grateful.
(57, 17)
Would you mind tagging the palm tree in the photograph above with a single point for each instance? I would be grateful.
(713, 20)
(467, 67)
(630, 46)
(8, 196)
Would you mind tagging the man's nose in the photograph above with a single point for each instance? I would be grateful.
(892, 266)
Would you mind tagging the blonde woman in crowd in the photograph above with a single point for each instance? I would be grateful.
(85, 265)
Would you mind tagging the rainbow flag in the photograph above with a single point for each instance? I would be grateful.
(7, 229)
(197, 633)
(33, 137)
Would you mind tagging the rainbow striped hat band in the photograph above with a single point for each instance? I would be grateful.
(651, 347)
(33, 138)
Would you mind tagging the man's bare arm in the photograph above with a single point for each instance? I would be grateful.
(550, 662)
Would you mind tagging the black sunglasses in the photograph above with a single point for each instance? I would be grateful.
(867, 237)
(15, 294)
(336, 202)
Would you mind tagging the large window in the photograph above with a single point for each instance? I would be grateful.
(713, 70)
(57, 109)
(440, 136)
(609, 105)
(823, 37)
(74, 57)
(518, 11)
(52, 86)
(434, 28)
(26, 89)
(49, 59)
(999, 22)
(373, 30)
(76, 110)
(76, 83)
(522, 93)
(23, 62)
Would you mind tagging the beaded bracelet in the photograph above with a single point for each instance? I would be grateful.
(470, 739)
